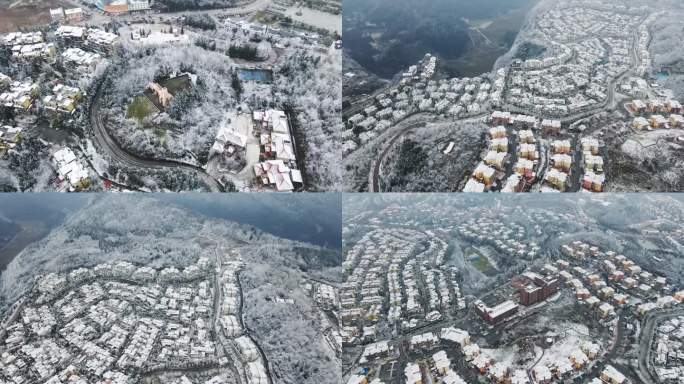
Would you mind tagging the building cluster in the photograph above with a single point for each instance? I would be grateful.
(563, 370)
(668, 351)
(557, 368)
(507, 238)
(361, 300)
(561, 162)
(496, 158)
(456, 97)
(560, 368)
(636, 87)
(527, 154)
(69, 15)
(119, 7)
(72, 174)
(523, 173)
(326, 296)
(90, 39)
(21, 96)
(277, 175)
(535, 288)
(82, 61)
(605, 281)
(230, 315)
(230, 294)
(532, 288)
(656, 114)
(494, 166)
(385, 285)
(27, 46)
(84, 52)
(429, 67)
(442, 368)
(63, 99)
(121, 318)
(10, 136)
(278, 166)
(644, 63)
(593, 179)
(586, 49)
(251, 358)
(603, 284)
(425, 70)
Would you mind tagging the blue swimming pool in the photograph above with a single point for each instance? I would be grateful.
(662, 76)
(258, 75)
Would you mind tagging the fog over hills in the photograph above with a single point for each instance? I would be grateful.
(388, 36)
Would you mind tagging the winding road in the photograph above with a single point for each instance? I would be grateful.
(646, 342)
(111, 148)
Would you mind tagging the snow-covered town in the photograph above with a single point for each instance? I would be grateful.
(151, 288)
(114, 322)
(228, 99)
(507, 291)
(588, 75)
(135, 289)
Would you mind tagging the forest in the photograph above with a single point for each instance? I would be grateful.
(184, 5)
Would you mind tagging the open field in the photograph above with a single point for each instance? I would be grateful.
(480, 261)
(24, 13)
(316, 18)
(140, 108)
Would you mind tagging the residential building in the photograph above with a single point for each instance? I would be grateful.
(497, 313)
(70, 170)
(73, 15)
(57, 14)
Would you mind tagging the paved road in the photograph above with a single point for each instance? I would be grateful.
(646, 341)
(235, 364)
(107, 144)
(97, 16)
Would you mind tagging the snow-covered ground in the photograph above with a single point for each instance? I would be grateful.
(150, 232)
(316, 18)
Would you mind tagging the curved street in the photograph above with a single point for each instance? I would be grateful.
(646, 341)
(111, 148)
